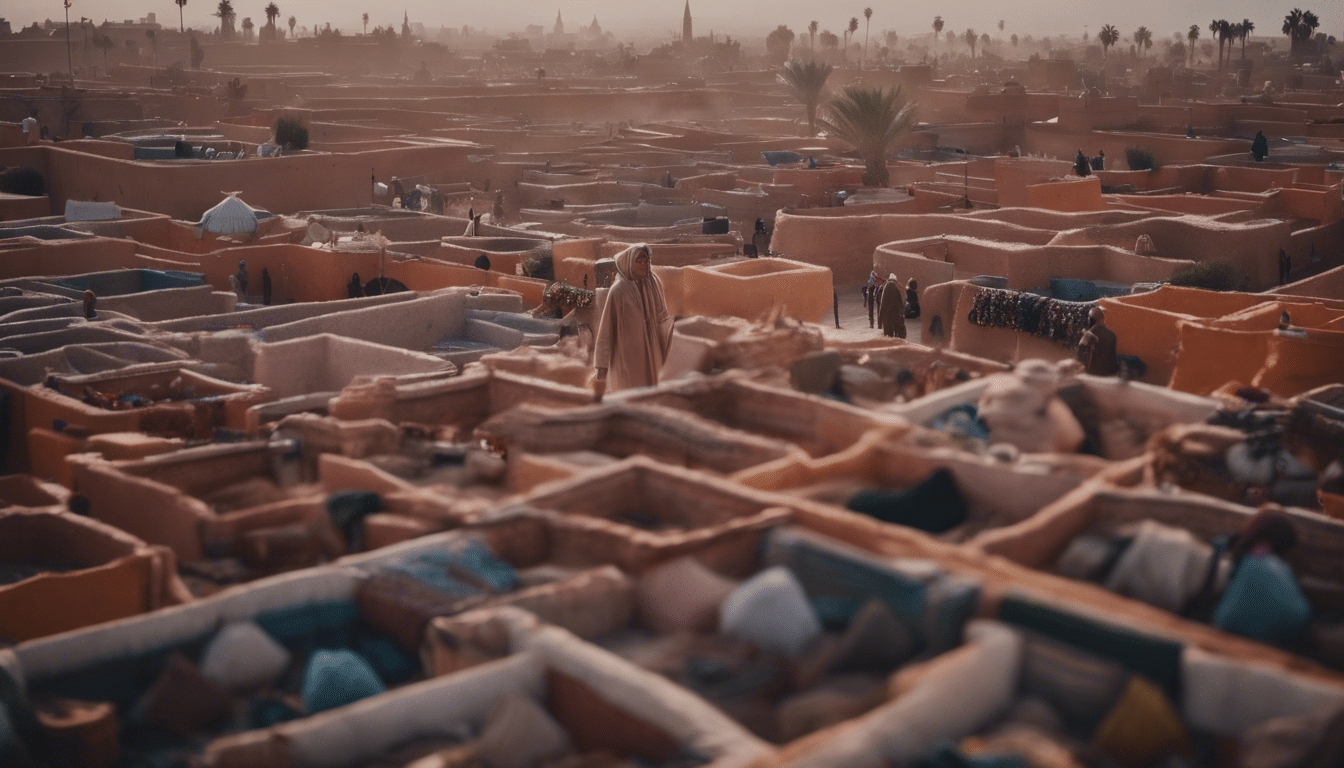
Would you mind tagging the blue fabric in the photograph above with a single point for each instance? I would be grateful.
(336, 678)
(330, 623)
(835, 613)
(1069, 289)
(948, 756)
(464, 570)
(1264, 602)
(779, 157)
(961, 419)
(1158, 659)
(392, 664)
(267, 712)
(935, 505)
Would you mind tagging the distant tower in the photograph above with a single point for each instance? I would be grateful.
(595, 28)
(560, 23)
(405, 24)
(686, 24)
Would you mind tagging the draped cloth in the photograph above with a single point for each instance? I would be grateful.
(635, 331)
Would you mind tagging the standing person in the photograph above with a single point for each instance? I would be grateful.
(761, 239)
(870, 290)
(265, 287)
(90, 304)
(354, 288)
(635, 331)
(242, 279)
(891, 308)
(1096, 349)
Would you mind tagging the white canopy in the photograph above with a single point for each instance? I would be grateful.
(231, 216)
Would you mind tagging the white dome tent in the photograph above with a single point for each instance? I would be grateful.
(232, 216)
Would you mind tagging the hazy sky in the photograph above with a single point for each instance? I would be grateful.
(741, 18)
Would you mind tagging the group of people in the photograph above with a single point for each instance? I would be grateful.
(1084, 165)
(889, 307)
(239, 281)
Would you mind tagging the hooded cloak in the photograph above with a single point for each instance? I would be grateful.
(635, 331)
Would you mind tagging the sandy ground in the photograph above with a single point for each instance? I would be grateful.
(854, 321)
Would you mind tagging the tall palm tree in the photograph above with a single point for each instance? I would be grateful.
(292, 22)
(1299, 25)
(1192, 36)
(181, 25)
(1000, 25)
(849, 33)
(225, 13)
(807, 83)
(247, 28)
(867, 19)
(812, 35)
(103, 43)
(366, 23)
(971, 39)
(1143, 40)
(937, 30)
(1108, 36)
(272, 13)
(1246, 27)
(870, 120)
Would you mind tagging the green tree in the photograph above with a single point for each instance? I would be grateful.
(1299, 26)
(777, 43)
(849, 33)
(272, 13)
(807, 84)
(1108, 36)
(247, 28)
(828, 40)
(867, 20)
(937, 30)
(1245, 28)
(103, 43)
(812, 35)
(292, 22)
(870, 120)
(971, 39)
(1192, 36)
(226, 16)
(1143, 39)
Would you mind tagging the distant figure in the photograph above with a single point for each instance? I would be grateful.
(667, 180)
(936, 333)
(1285, 322)
(749, 250)
(761, 238)
(1259, 147)
(1099, 162)
(1285, 266)
(835, 301)
(355, 288)
(870, 290)
(483, 262)
(90, 303)
(497, 210)
(471, 225)
(541, 74)
(891, 308)
(242, 279)
(265, 287)
(1081, 166)
(1096, 349)
(635, 331)
(911, 299)
(811, 162)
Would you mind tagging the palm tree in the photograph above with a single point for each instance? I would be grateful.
(1013, 39)
(1246, 28)
(1224, 31)
(867, 19)
(971, 39)
(1000, 25)
(849, 33)
(1108, 36)
(366, 23)
(937, 30)
(247, 28)
(292, 22)
(272, 13)
(105, 44)
(807, 82)
(225, 13)
(1192, 36)
(870, 120)
(828, 40)
(812, 35)
(1299, 25)
(1143, 40)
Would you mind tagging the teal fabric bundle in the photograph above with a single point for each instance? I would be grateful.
(336, 678)
(1264, 602)
(935, 505)
(348, 509)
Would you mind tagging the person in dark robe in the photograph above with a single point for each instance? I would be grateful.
(265, 287)
(1080, 165)
(1259, 147)
(761, 239)
(90, 302)
(1285, 266)
(1096, 349)
(242, 277)
(483, 262)
(355, 288)
(870, 290)
(891, 308)
(911, 299)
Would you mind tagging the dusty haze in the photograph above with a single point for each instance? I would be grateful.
(742, 18)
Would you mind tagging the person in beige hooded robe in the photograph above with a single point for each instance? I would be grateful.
(635, 331)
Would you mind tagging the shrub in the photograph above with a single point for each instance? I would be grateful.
(1217, 275)
(290, 133)
(23, 180)
(1140, 159)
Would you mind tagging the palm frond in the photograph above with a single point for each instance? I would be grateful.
(869, 119)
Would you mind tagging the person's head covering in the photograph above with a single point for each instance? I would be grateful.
(912, 283)
(483, 262)
(1096, 314)
(893, 278)
(625, 262)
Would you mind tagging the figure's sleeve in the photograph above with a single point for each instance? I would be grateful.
(606, 334)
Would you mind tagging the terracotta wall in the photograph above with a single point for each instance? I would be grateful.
(750, 289)
(326, 363)
(1070, 195)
